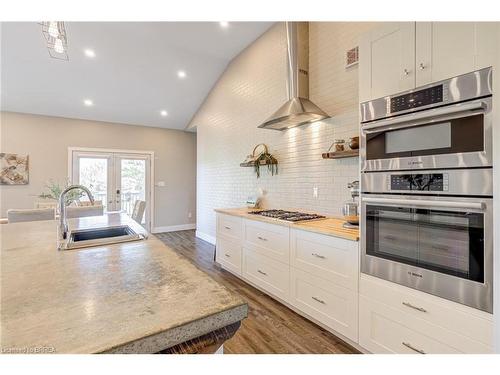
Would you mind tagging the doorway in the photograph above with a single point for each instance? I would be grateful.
(116, 178)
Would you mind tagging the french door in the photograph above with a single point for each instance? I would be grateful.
(116, 179)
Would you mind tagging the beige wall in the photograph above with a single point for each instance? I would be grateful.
(46, 140)
(252, 87)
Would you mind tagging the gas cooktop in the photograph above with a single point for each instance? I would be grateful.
(287, 215)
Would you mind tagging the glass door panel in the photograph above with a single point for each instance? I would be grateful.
(132, 184)
(449, 242)
(94, 175)
(117, 180)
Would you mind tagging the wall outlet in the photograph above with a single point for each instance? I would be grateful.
(315, 192)
(160, 183)
(190, 215)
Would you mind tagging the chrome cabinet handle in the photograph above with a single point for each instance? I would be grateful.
(428, 203)
(262, 272)
(408, 304)
(227, 255)
(318, 300)
(406, 72)
(422, 66)
(318, 255)
(262, 238)
(410, 346)
(227, 227)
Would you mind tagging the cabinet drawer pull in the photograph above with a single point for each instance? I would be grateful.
(227, 227)
(422, 66)
(262, 272)
(408, 304)
(227, 255)
(318, 300)
(262, 238)
(410, 346)
(406, 72)
(318, 255)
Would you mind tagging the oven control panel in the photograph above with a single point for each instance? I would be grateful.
(418, 182)
(416, 99)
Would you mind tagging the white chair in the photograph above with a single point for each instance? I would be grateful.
(75, 212)
(37, 214)
(138, 213)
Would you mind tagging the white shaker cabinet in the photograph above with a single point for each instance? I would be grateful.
(449, 49)
(401, 56)
(387, 60)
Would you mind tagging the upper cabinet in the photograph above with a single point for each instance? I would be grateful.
(448, 49)
(401, 56)
(387, 60)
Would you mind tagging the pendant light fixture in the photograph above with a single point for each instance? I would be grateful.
(55, 36)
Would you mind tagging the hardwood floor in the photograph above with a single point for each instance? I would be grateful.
(270, 327)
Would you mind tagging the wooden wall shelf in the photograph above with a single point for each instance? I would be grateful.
(341, 154)
(252, 163)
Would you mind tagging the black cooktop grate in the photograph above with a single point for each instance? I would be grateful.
(287, 215)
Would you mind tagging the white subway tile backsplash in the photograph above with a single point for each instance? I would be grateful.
(251, 88)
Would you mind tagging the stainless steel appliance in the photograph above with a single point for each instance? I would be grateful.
(350, 210)
(298, 109)
(431, 230)
(293, 216)
(447, 124)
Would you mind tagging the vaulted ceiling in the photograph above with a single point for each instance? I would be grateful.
(134, 75)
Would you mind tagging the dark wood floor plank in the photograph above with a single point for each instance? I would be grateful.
(271, 327)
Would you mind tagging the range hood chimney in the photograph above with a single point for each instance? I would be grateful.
(298, 110)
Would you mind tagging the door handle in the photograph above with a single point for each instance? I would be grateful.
(427, 203)
(318, 300)
(318, 255)
(262, 272)
(410, 346)
(408, 304)
(262, 238)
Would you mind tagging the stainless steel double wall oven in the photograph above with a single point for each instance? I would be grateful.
(427, 186)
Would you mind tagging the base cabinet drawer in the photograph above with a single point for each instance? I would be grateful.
(383, 329)
(230, 227)
(331, 304)
(331, 258)
(463, 320)
(228, 254)
(270, 240)
(270, 275)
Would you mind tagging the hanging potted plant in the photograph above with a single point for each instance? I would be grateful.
(264, 158)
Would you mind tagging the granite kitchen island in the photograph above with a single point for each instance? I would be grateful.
(133, 297)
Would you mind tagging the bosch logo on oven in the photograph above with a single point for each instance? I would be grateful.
(414, 274)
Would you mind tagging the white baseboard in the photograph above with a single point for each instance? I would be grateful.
(205, 237)
(173, 228)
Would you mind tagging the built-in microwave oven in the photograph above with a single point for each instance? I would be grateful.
(444, 125)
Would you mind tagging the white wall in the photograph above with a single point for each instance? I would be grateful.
(252, 88)
(46, 141)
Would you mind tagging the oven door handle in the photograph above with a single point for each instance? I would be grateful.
(428, 203)
(470, 109)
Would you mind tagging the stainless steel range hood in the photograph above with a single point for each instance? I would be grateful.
(298, 110)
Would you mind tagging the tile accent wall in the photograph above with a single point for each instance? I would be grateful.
(252, 87)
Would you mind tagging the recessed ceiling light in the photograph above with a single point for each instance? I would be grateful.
(181, 74)
(89, 53)
(88, 102)
(224, 24)
(164, 113)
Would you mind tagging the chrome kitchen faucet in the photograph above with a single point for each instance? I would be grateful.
(63, 222)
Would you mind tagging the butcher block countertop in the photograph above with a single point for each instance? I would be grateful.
(330, 226)
(134, 297)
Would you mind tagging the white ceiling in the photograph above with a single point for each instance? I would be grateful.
(133, 76)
